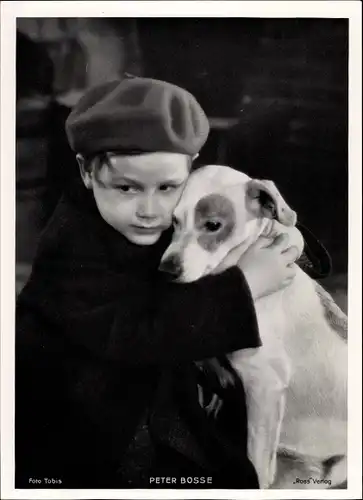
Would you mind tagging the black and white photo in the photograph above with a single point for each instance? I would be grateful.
(182, 224)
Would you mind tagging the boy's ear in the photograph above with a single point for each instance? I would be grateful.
(85, 174)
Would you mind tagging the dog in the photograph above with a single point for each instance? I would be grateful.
(296, 382)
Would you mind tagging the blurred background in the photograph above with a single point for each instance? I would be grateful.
(275, 91)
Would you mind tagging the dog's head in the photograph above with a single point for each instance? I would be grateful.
(220, 209)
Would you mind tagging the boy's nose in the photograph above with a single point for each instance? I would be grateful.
(148, 208)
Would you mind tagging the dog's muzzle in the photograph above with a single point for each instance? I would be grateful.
(171, 265)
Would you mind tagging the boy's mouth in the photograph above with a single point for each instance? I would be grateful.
(147, 229)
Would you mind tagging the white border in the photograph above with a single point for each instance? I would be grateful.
(324, 9)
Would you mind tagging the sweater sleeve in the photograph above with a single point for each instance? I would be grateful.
(208, 318)
(189, 322)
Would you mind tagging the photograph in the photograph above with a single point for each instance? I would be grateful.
(182, 217)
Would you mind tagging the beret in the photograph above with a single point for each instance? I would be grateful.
(139, 114)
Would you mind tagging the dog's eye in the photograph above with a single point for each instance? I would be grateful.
(212, 226)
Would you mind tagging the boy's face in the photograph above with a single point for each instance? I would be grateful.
(137, 194)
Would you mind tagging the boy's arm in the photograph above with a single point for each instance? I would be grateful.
(210, 317)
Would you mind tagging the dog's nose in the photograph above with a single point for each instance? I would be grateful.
(171, 265)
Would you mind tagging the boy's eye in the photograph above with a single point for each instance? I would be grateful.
(126, 188)
(167, 187)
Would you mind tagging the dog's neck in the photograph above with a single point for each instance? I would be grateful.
(263, 228)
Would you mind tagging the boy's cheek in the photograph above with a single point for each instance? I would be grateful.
(113, 213)
(172, 202)
(111, 203)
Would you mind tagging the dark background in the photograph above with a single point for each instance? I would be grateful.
(275, 91)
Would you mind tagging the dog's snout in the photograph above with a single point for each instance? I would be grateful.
(171, 265)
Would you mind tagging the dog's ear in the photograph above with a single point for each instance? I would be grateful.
(265, 200)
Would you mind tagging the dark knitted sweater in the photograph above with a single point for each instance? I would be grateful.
(103, 341)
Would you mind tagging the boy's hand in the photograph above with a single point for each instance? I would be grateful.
(267, 266)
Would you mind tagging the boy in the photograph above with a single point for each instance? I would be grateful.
(106, 381)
